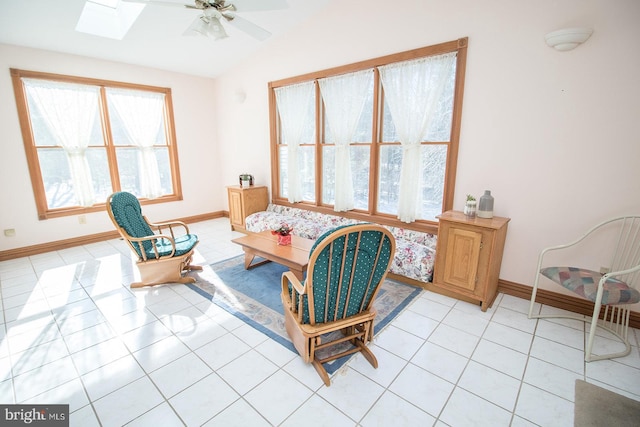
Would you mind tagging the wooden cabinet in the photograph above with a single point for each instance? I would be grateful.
(469, 255)
(245, 201)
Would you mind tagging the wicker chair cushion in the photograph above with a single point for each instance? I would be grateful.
(585, 283)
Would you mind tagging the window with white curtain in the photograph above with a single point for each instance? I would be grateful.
(347, 138)
(419, 98)
(386, 135)
(87, 138)
(295, 106)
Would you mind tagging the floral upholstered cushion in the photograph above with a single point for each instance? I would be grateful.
(261, 221)
(413, 260)
(413, 236)
(415, 250)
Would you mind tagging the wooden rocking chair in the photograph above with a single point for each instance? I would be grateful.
(163, 256)
(346, 268)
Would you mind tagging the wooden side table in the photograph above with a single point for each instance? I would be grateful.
(469, 255)
(245, 201)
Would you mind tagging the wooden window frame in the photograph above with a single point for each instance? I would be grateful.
(460, 47)
(31, 149)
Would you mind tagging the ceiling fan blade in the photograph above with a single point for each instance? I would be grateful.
(248, 27)
(258, 5)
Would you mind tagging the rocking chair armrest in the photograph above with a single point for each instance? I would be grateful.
(153, 237)
(140, 240)
(169, 224)
(295, 282)
(292, 298)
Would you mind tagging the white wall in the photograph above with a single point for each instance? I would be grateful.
(197, 149)
(552, 134)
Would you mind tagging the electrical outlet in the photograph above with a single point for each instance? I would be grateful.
(10, 232)
(82, 219)
(604, 270)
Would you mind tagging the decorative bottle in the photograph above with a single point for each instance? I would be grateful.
(485, 205)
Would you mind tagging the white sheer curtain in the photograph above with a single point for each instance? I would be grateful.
(69, 110)
(293, 103)
(142, 114)
(412, 90)
(344, 98)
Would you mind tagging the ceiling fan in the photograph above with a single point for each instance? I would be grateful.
(209, 23)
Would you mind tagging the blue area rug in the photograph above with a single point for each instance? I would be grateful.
(254, 297)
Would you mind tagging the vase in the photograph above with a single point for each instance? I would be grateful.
(485, 205)
(470, 208)
(284, 240)
(246, 177)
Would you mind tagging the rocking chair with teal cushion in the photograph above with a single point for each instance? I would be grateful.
(346, 267)
(162, 254)
(612, 246)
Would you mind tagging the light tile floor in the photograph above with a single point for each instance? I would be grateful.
(73, 332)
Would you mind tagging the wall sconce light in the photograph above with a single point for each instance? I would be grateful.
(567, 38)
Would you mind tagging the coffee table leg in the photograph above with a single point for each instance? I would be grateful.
(248, 259)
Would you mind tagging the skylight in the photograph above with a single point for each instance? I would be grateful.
(108, 18)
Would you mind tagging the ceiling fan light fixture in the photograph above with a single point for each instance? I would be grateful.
(215, 29)
(198, 27)
(207, 26)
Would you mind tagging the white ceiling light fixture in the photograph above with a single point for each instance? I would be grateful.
(567, 38)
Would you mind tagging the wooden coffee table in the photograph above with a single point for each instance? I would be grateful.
(265, 245)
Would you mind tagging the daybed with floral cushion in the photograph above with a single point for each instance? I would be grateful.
(415, 250)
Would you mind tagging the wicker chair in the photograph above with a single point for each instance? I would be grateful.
(615, 246)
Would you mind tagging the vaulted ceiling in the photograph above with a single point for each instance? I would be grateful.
(156, 37)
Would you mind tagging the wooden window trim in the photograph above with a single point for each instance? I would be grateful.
(459, 46)
(31, 149)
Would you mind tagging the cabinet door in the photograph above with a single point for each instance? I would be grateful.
(236, 214)
(462, 258)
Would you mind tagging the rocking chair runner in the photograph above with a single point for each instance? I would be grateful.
(162, 258)
(346, 268)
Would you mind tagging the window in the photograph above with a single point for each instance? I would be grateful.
(87, 138)
(377, 138)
